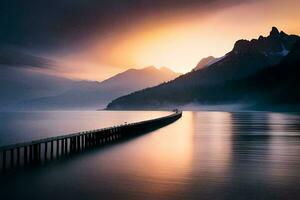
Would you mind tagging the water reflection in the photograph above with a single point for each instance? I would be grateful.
(158, 162)
(212, 144)
(204, 155)
(266, 157)
(283, 124)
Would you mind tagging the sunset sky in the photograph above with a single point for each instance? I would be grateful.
(96, 39)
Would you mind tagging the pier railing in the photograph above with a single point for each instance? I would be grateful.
(42, 150)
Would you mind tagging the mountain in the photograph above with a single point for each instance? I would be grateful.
(93, 95)
(19, 84)
(228, 81)
(205, 62)
(246, 58)
(134, 79)
(277, 86)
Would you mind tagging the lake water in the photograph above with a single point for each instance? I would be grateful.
(203, 155)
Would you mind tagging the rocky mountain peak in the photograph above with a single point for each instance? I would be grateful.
(242, 46)
(204, 62)
(274, 32)
(275, 43)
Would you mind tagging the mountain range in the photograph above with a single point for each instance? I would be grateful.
(95, 95)
(246, 75)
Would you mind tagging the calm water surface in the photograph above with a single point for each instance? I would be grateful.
(203, 155)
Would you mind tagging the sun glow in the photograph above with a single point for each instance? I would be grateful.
(181, 41)
(177, 46)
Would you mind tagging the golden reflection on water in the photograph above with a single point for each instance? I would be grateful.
(159, 161)
(212, 146)
(197, 144)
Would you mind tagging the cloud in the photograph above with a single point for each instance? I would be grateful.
(57, 28)
(53, 23)
(12, 57)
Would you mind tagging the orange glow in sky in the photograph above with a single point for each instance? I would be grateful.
(180, 42)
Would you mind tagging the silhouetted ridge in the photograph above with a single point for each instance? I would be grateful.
(274, 43)
(243, 46)
(244, 75)
(275, 86)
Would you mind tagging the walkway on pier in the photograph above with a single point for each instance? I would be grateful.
(37, 151)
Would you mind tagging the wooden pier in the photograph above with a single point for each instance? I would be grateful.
(38, 151)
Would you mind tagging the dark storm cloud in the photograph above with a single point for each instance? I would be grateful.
(53, 23)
